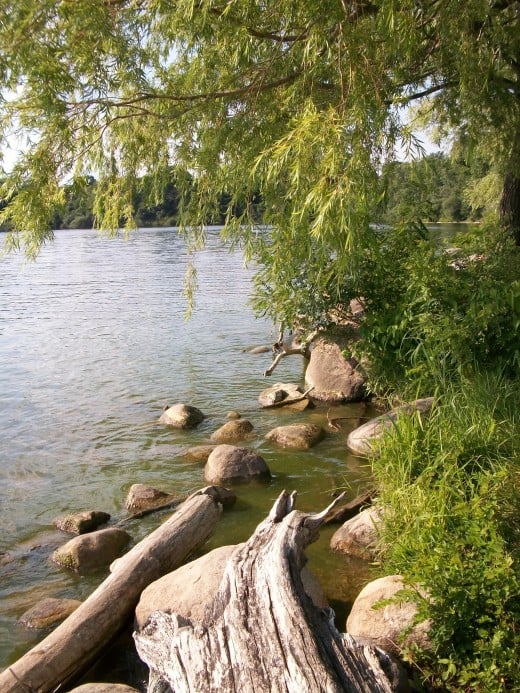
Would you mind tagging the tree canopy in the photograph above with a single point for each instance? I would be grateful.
(298, 101)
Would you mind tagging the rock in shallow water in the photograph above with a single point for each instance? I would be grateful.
(182, 416)
(93, 550)
(358, 536)
(298, 436)
(80, 523)
(232, 431)
(228, 463)
(48, 612)
(143, 497)
(364, 439)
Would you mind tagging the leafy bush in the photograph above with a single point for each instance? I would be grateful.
(450, 487)
(431, 315)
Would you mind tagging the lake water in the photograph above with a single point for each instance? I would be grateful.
(93, 344)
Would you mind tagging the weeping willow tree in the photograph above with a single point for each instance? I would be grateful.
(297, 102)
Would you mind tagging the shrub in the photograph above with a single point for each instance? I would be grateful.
(450, 486)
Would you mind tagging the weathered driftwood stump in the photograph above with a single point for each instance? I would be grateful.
(262, 633)
(76, 643)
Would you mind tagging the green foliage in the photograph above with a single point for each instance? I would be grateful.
(431, 314)
(450, 486)
(432, 188)
(297, 103)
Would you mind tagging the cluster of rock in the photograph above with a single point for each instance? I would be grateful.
(187, 590)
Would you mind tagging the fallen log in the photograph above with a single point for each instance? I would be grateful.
(353, 507)
(261, 632)
(77, 642)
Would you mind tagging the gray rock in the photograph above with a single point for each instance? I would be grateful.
(298, 436)
(188, 590)
(142, 497)
(48, 612)
(333, 377)
(383, 626)
(286, 392)
(364, 439)
(80, 523)
(93, 550)
(230, 463)
(182, 416)
(358, 536)
(232, 431)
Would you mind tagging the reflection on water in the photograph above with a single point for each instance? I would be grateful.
(93, 344)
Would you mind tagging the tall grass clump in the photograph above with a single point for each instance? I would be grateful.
(450, 489)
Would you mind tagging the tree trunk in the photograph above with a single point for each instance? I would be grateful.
(509, 209)
(76, 643)
(261, 632)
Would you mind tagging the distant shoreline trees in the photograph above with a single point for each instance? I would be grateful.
(435, 188)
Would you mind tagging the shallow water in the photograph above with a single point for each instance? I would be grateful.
(93, 344)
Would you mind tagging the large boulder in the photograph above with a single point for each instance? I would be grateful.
(364, 440)
(48, 612)
(232, 431)
(383, 626)
(182, 416)
(333, 377)
(91, 551)
(299, 436)
(358, 536)
(188, 590)
(228, 463)
(80, 523)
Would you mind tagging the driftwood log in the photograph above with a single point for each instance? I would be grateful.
(78, 641)
(345, 512)
(261, 632)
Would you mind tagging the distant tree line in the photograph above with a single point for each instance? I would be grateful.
(435, 188)
(438, 187)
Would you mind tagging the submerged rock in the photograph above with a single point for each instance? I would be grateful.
(93, 550)
(48, 612)
(262, 349)
(383, 626)
(364, 439)
(232, 431)
(182, 416)
(230, 463)
(199, 453)
(80, 523)
(299, 436)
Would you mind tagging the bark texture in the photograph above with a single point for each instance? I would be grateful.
(261, 632)
(76, 643)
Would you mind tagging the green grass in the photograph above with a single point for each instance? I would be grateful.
(450, 487)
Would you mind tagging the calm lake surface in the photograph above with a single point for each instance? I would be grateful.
(93, 344)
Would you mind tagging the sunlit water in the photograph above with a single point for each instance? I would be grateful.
(93, 344)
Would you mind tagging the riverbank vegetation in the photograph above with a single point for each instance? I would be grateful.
(303, 106)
